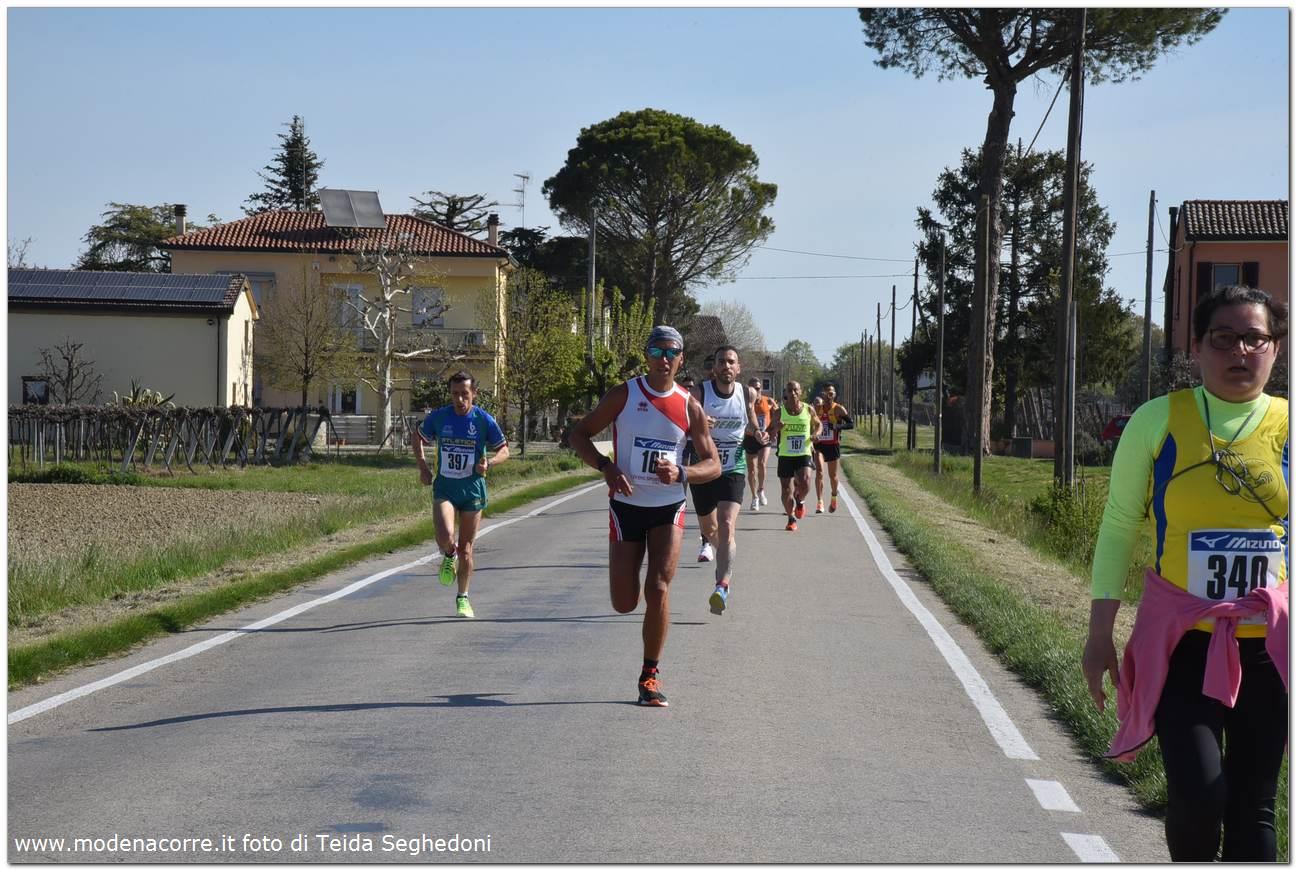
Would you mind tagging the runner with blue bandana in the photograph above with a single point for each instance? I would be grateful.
(462, 433)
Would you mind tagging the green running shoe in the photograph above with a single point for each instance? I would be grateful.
(718, 599)
(449, 569)
(462, 607)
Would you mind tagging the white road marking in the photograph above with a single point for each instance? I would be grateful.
(143, 668)
(1052, 795)
(992, 712)
(1091, 848)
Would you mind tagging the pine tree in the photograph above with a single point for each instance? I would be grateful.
(292, 178)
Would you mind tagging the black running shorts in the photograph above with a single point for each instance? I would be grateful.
(830, 452)
(788, 466)
(726, 487)
(631, 522)
(751, 445)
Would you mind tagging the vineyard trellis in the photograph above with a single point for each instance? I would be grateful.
(128, 435)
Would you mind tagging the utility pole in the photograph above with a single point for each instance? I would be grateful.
(877, 362)
(589, 307)
(981, 387)
(1147, 306)
(891, 368)
(868, 377)
(940, 354)
(911, 431)
(1064, 412)
(863, 385)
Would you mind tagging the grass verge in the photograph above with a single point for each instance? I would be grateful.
(29, 663)
(1030, 639)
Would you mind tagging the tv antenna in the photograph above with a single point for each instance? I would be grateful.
(523, 179)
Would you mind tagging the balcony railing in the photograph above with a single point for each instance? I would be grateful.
(474, 342)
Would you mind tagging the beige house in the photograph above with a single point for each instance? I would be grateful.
(190, 335)
(277, 248)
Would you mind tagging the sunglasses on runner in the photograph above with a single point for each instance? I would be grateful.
(1227, 339)
(669, 352)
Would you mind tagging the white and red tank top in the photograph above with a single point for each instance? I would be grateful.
(650, 426)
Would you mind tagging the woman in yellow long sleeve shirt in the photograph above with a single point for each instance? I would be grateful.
(1197, 463)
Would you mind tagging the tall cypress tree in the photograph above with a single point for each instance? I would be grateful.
(292, 177)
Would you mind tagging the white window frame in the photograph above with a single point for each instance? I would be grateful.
(1215, 284)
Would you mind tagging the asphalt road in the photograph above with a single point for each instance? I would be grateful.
(815, 721)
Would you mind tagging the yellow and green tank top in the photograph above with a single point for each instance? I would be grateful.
(794, 434)
(1219, 529)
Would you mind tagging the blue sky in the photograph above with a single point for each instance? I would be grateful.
(153, 105)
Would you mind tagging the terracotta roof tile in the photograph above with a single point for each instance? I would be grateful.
(301, 231)
(1235, 219)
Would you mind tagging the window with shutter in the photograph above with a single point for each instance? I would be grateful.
(1203, 284)
(1251, 274)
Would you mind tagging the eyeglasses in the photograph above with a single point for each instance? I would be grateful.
(669, 352)
(1227, 339)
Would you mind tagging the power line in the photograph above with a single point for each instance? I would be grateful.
(1061, 82)
(1163, 235)
(1132, 253)
(838, 256)
(816, 277)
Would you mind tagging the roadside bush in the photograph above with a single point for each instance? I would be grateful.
(65, 473)
(1090, 451)
(1069, 519)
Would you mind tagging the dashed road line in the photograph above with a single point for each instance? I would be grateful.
(1052, 795)
(1091, 848)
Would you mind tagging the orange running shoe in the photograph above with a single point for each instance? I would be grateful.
(800, 510)
(650, 693)
(832, 505)
(791, 526)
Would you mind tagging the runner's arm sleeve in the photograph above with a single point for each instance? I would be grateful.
(844, 421)
(427, 429)
(494, 435)
(1127, 489)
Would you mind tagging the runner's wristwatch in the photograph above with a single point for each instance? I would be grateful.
(603, 463)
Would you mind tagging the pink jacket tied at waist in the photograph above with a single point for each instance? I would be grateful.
(1164, 614)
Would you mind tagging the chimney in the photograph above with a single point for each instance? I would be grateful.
(492, 229)
(180, 211)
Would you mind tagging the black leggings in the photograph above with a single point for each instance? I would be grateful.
(1209, 786)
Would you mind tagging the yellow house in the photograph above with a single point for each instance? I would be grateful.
(190, 335)
(276, 248)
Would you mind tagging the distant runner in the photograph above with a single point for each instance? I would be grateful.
(731, 416)
(462, 433)
(827, 445)
(794, 426)
(758, 450)
(705, 551)
(650, 417)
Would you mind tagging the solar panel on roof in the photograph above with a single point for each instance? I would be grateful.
(352, 208)
(337, 208)
(368, 211)
(124, 287)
